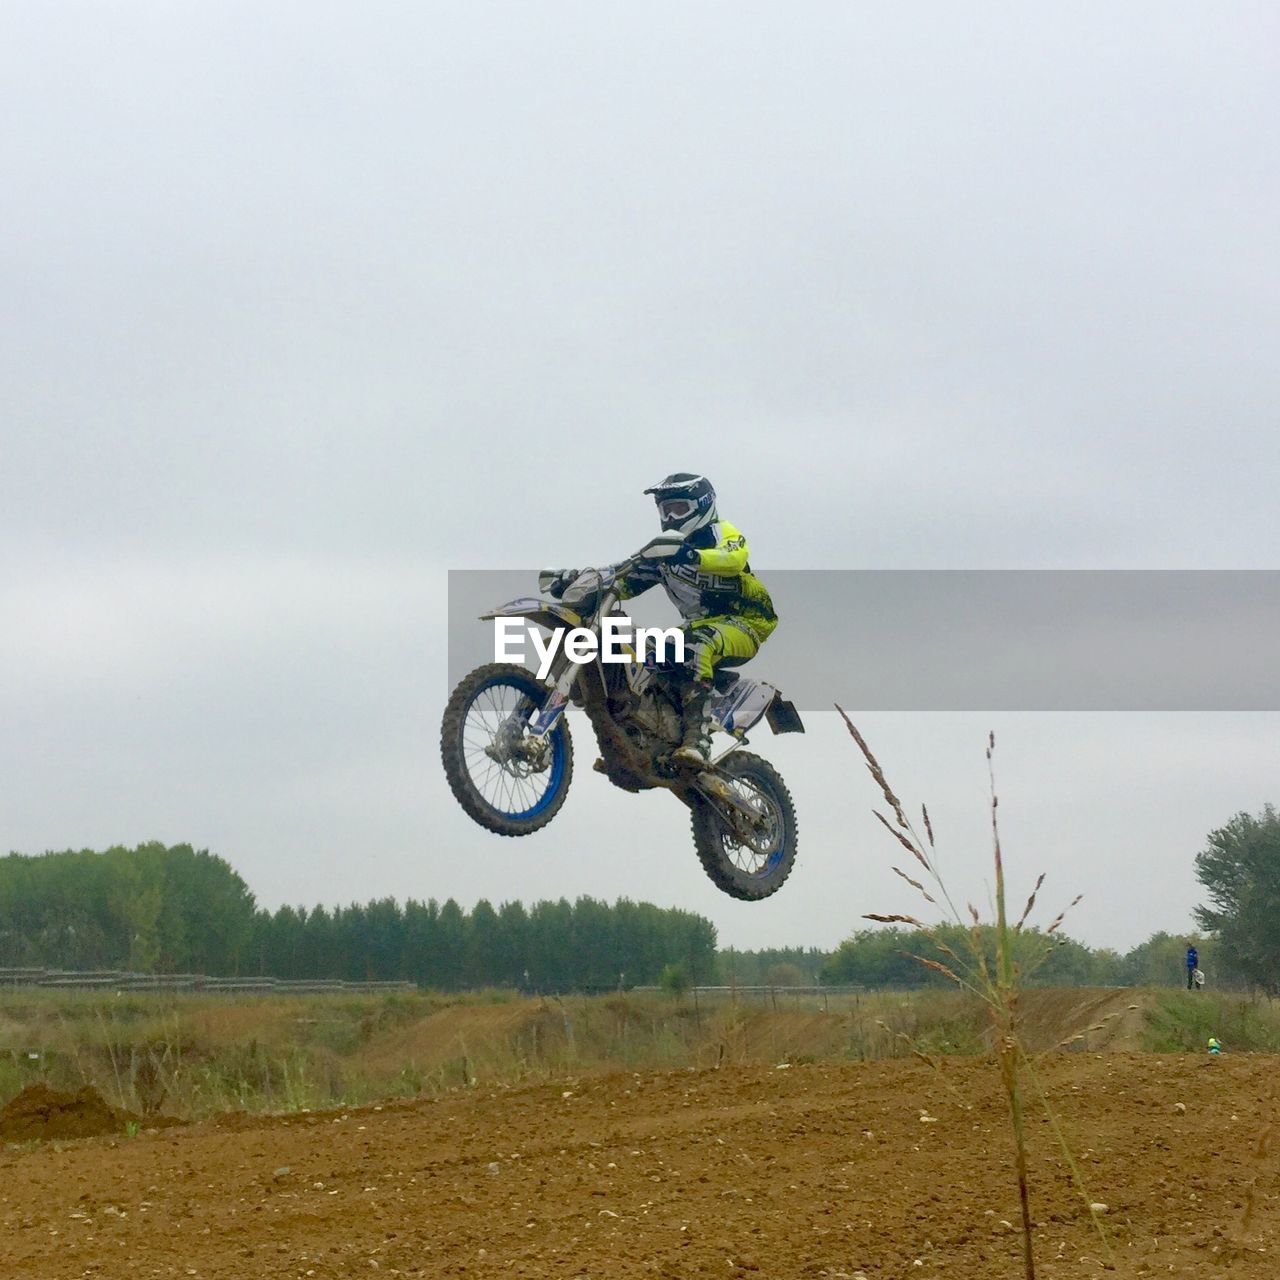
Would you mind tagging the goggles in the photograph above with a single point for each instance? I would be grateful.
(676, 508)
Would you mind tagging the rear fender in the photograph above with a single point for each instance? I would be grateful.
(743, 705)
(783, 716)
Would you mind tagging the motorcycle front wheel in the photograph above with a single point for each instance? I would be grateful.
(735, 867)
(502, 778)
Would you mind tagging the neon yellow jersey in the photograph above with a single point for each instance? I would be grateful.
(719, 584)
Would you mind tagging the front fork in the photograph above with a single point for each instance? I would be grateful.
(563, 674)
(554, 704)
(523, 737)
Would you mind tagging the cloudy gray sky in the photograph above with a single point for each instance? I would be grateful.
(307, 304)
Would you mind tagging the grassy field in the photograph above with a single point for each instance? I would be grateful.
(194, 1056)
(1178, 1022)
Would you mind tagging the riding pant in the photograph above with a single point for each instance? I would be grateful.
(711, 642)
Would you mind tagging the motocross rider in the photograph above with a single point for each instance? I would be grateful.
(727, 612)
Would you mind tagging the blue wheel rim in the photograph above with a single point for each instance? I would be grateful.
(512, 800)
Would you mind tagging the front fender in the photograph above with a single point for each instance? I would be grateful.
(543, 613)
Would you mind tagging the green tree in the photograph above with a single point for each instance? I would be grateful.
(550, 930)
(151, 908)
(881, 958)
(484, 950)
(698, 946)
(383, 941)
(453, 930)
(887, 957)
(1161, 960)
(674, 980)
(592, 954)
(513, 943)
(1241, 871)
(321, 953)
(752, 968)
(284, 937)
(785, 975)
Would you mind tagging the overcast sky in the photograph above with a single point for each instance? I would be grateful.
(307, 304)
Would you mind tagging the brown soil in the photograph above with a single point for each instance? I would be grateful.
(883, 1170)
(40, 1113)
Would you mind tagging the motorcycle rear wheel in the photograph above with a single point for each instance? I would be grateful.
(735, 868)
(502, 798)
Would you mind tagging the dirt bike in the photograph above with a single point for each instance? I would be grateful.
(508, 755)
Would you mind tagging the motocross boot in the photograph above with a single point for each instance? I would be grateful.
(696, 746)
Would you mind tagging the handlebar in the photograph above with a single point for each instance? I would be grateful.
(660, 548)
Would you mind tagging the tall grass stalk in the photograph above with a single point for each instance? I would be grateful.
(996, 984)
(1006, 993)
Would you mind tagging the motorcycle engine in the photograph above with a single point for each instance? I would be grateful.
(656, 716)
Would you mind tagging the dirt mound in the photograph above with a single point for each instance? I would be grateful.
(479, 1034)
(39, 1112)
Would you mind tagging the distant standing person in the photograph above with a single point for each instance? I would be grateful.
(1193, 963)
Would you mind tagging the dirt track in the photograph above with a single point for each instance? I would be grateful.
(885, 1169)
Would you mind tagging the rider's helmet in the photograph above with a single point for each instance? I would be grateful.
(685, 502)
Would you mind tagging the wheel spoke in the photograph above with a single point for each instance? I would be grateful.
(741, 855)
(513, 786)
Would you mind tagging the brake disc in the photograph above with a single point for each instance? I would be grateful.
(518, 752)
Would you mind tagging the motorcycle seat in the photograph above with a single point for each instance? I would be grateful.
(725, 679)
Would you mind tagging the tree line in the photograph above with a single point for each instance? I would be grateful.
(551, 946)
(1240, 948)
(1239, 869)
(887, 957)
(158, 909)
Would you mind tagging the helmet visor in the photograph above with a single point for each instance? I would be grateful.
(676, 508)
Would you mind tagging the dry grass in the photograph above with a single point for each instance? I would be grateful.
(193, 1056)
(995, 985)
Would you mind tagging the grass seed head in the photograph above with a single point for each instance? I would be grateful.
(901, 839)
(915, 884)
(1031, 902)
(1062, 915)
(895, 919)
(938, 966)
(873, 767)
